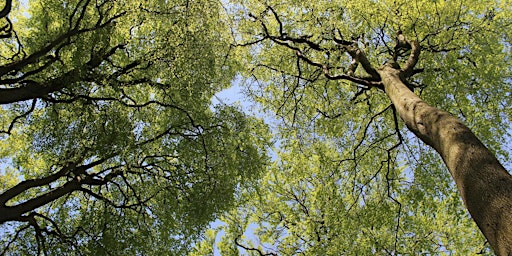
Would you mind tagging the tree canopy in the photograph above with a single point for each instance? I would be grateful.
(110, 142)
(349, 177)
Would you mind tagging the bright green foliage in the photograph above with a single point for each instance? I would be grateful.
(110, 103)
(128, 117)
(348, 178)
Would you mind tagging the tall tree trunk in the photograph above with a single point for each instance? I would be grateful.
(484, 184)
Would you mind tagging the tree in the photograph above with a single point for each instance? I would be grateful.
(349, 178)
(110, 143)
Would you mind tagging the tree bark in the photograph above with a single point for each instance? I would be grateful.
(483, 183)
(13, 213)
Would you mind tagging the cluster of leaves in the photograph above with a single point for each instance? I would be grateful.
(110, 143)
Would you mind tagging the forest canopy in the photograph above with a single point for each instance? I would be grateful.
(350, 177)
(110, 142)
(381, 127)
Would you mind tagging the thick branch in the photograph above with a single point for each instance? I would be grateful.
(10, 213)
(402, 46)
(7, 29)
(358, 54)
(16, 66)
(28, 184)
(408, 69)
(34, 90)
(7, 8)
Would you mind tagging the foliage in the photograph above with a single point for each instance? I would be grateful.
(110, 142)
(348, 177)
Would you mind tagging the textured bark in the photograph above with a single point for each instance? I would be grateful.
(484, 184)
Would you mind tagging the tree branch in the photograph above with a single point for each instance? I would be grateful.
(33, 90)
(13, 122)
(28, 184)
(15, 212)
(358, 54)
(16, 66)
(15, 237)
(7, 9)
(408, 69)
(368, 82)
(253, 249)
